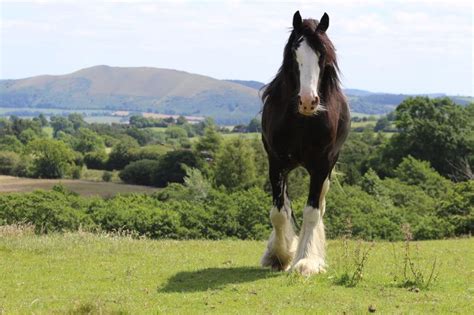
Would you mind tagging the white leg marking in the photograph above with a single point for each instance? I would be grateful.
(310, 255)
(283, 240)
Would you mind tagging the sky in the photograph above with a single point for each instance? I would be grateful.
(395, 46)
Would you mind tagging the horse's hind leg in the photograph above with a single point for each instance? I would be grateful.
(283, 240)
(310, 255)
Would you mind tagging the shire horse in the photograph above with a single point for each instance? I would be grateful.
(305, 121)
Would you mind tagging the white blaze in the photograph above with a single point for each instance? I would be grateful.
(308, 64)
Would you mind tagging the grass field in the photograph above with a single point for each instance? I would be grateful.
(247, 135)
(10, 184)
(82, 273)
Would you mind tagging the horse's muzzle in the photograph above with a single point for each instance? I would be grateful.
(308, 106)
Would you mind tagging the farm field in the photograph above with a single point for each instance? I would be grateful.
(82, 273)
(9, 184)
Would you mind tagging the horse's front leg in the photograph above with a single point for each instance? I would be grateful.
(310, 255)
(283, 240)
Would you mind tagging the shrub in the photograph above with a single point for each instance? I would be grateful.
(8, 162)
(121, 154)
(170, 167)
(51, 158)
(95, 160)
(107, 176)
(48, 211)
(235, 166)
(139, 172)
(76, 172)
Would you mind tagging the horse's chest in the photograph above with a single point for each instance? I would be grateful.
(299, 141)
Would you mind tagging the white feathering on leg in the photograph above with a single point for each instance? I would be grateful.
(283, 240)
(310, 255)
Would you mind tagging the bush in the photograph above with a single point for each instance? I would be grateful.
(8, 162)
(107, 176)
(48, 211)
(76, 172)
(139, 172)
(95, 160)
(149, 152)
(170, 167)
(121, 154)
(235, 166)
(51, 158)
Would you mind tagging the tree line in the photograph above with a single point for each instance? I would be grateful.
(420, 175)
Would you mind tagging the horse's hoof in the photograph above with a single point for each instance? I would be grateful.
(307, 267)
(269, 260)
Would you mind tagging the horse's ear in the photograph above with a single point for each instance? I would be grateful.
(297, 21)
(324, 23)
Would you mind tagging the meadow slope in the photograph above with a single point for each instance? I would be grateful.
(83, 273)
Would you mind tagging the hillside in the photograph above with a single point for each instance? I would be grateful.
(134, 89)
(366, 102)
(145, 89)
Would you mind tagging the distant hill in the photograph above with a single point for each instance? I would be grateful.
(251, 84)
(135, 89)
(145, 89)
(366, 102)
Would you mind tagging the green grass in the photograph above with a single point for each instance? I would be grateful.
(247, 135)
(96, 175)
(105, 119)
(355, 114)
(83, 273)
(356, 124)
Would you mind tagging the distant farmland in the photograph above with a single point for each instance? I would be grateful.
(9, 184)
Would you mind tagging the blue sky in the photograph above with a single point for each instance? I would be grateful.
(419, 46)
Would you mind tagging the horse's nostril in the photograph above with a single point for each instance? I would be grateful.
(305, 108)
(312, 107)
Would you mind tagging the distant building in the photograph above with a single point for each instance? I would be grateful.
(121, 113)
(190, 119)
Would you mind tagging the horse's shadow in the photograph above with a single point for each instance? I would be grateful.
(214, 278)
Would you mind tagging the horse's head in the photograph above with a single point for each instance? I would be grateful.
(309, 50)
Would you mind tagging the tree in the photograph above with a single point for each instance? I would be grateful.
(43, 120)
(121, 153)
(175, 132)
(51, 158)
(10, 143)
(5, 127)
(171, 167)
(419, 173)
(382, 124)
(437, 131)
(8, 162)
(143, 136)
(235, 166)
(181, 120)
(77, 120)
(86, 140)
(95, 159)
(202, 125)
(27, 135)
(60, 123)
(208, 145)
(139, 172)
(434, 130)
(255, 125)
